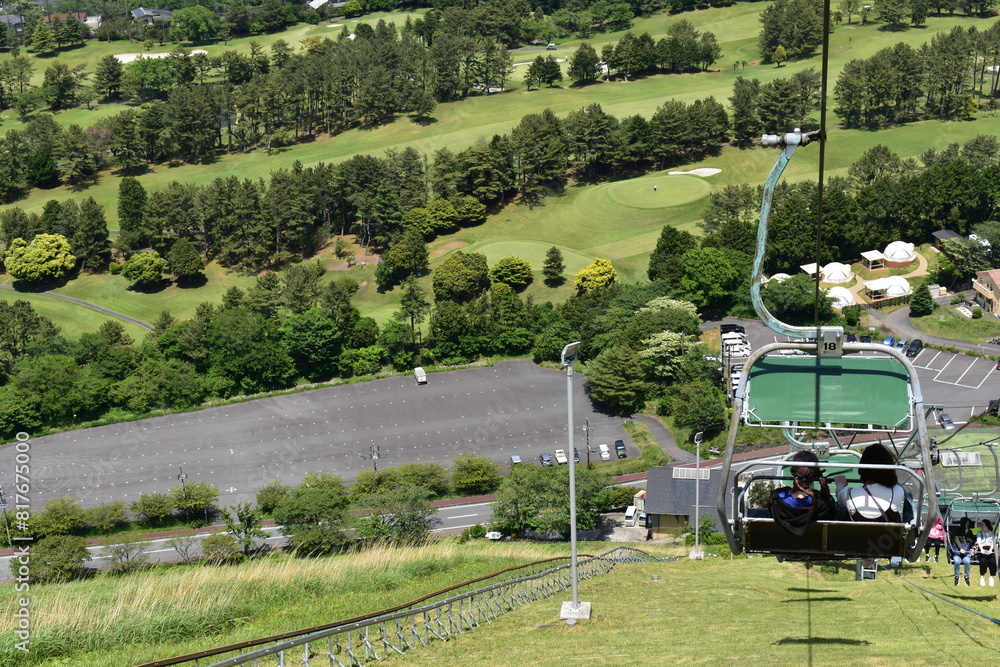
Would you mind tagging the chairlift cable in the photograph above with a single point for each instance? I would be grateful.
(824, 81)
(952, 602)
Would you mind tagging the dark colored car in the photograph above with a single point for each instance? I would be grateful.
(620, 449)
(866, 339)
(545, 459)
(851, 338)
(914, 348)
(731, 328)
(576, 456)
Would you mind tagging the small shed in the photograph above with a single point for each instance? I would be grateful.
(810, 269)
(942, 235)
(840, 296)
(873, 259)
(835, 272)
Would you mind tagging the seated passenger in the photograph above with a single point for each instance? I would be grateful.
(880, 496)
(960, 548)
(795, 508)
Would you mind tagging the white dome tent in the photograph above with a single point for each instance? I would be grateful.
(840, 296)
(835, 272)
(780, 277)
(899, 253)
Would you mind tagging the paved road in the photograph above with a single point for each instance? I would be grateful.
(92, 306)
(449, 520)
(513, 408)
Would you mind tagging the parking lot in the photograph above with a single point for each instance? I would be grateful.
(963, 384)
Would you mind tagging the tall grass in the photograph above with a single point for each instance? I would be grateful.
(116, 620)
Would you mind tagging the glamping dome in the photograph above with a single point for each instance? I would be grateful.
(835, 272)
(899, 253)
(896, 286)
(780, 277)
(840, 296)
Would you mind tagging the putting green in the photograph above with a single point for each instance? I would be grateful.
(674, 190)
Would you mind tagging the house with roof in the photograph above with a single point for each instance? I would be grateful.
(670, 496)
(150, 16)
(61, 18)
(942, 235)
(13, 21)
(987, 287)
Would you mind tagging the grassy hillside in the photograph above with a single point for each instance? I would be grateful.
(705, 612)
(586, 221)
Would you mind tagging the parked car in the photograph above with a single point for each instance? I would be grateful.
(620, 449)
(866, 339)
(561, 457)
(545, 459)
(605, 452)
(731, 328)
(946, 422)
(901, 344)
(515, 459)
(914, 348)
(420, 375)
(736, 368)
(888, 341)
(576, 455)
(851, 338)
(551, 47)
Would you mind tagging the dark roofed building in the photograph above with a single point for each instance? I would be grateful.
(13, 20)
(148, 16)
(670, 497)
(942, 235)
(61, 18)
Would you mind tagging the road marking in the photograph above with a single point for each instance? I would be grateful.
(462, 516)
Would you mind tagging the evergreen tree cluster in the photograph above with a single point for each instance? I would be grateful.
(683, 49)
(900, 83)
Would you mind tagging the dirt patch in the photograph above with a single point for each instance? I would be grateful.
(448, 247)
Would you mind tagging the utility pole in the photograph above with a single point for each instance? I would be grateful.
(183, 476)
(6, 524)
(375, 457)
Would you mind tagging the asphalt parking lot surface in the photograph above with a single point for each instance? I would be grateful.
(512, 408)
(963, 384)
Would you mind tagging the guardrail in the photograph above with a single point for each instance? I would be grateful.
(438, 615)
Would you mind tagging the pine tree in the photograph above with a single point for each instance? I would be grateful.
(553, 267)
(43, 42)
(185, 260)
(90, 240)
(109, 77)
(921, 302)
(131, 215)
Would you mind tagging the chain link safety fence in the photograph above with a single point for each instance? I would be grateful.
(358, 641)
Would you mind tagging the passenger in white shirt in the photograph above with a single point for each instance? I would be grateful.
(880, 496)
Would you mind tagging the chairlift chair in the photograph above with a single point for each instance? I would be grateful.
(823, 390)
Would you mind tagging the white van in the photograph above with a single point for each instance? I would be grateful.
(420, 375)
(734, 339)
(630, 516)
(605, 452)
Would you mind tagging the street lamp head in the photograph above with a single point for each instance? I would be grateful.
(569, 353)
(698, 437)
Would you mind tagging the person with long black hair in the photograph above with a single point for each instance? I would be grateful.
(986, 546)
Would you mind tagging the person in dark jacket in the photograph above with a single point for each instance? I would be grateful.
(960, 548)
(795, 508)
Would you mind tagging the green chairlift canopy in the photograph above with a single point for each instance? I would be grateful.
(853, 393)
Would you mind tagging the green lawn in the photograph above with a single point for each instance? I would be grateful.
(947, 323)
(72, 319)
(617, 221)
(971, 479)
(753, 610)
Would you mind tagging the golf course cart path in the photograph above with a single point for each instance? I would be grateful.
(92, 306)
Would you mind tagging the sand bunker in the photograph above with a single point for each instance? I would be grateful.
(334, 25)
(704, 171)
(129, 57)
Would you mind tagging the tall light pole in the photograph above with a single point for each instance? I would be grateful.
(696, 554)
(573, 610)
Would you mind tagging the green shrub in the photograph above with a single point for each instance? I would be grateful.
(977, 313)
(271, 494)
(114, 268)
(477, 531)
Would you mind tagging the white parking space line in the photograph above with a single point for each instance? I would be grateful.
(942, 369)
(926, 364)
(959, 380)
